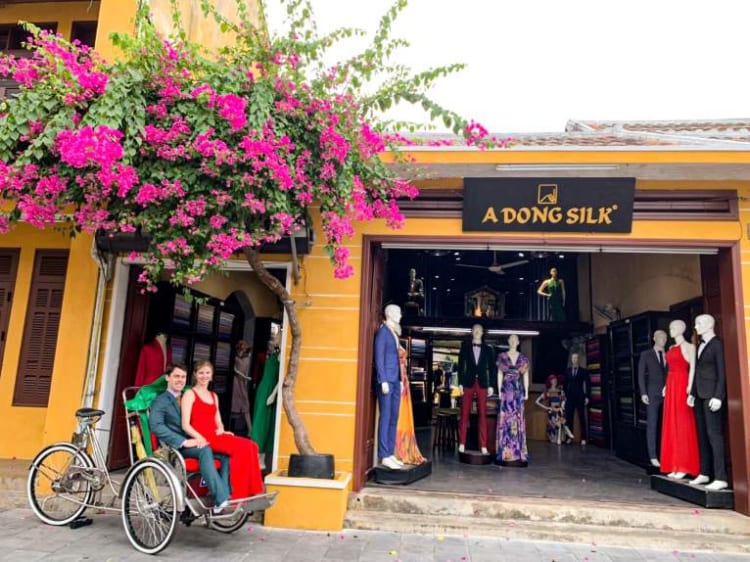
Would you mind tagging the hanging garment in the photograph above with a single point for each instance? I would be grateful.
(152, 363)
(407, 449)
(264, 416)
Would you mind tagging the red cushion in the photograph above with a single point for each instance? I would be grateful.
(192, 465)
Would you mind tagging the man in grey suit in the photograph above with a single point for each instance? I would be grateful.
(652, 374)
(710, 393)
(165, 422)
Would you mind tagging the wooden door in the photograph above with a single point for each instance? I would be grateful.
(370, 319)
(134, 327)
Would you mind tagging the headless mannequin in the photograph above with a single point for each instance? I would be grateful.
(704, 327)
(153, 360)
(161, 339)
(677, 332)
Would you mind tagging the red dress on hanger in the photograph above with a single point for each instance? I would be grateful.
(245, 477)
(679, 438)
(151, 362)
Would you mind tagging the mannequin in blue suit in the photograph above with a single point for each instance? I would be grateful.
(388, 372)
(165, 422)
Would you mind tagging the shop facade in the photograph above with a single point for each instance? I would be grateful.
(685, 201)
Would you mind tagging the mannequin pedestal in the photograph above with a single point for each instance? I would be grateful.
(474, 457)
(410, 473)
(693, 494)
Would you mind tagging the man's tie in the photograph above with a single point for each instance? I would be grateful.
(575, 371)
(661, 359)
(178, 398)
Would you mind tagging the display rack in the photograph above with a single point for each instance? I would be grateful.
(627, 339)
(199, 328)
(419, 381)
(598, 407)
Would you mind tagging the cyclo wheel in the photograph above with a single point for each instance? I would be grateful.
(149, 507)
(229, 524)
(57, 492)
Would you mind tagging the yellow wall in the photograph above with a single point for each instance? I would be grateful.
(33, 427)
(640, 282)
(221, 286)
(64, 13)
(329, 315)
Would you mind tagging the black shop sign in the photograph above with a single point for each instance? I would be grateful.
(548, 204)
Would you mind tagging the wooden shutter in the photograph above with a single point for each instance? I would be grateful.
(34, 376)
(8, 268)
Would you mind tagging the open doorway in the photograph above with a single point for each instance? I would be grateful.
(209, 321)
(606, 286)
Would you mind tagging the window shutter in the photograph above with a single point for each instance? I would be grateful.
(8, 268)
(40, 331)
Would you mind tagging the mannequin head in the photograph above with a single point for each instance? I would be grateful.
(660, 338)
(677, 328)
(552, 382)
(243, 348)
(161, 337)
(393, 313)
(412, 274)
(553, 273)
(477, 331)
(513, 342)
(574, 360)
(704, 324)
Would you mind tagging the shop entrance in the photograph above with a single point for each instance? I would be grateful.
(230, 319)
(615, 295)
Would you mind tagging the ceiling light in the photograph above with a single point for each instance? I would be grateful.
(439, 329)
(511, 332)
(561, 256)
(520, 254)
(556, 167)
(437, 277)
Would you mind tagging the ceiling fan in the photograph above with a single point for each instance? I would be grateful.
(498, 268)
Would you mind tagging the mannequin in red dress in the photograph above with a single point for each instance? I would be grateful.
(201, 420)
(153, 359)
(679, 437)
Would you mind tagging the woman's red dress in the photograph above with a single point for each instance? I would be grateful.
(245, 477)
(679, 438)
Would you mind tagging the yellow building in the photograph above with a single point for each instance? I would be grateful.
(691, 183)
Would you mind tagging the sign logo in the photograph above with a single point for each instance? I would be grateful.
(548, 204)
(547, 194)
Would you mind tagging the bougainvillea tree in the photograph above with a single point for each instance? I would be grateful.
(211, 154)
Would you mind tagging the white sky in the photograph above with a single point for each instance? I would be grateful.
(534, 64)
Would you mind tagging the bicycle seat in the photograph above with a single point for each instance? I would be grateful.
(88, 413)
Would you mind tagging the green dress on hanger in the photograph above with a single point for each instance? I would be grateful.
(556, 308)
(264, 416)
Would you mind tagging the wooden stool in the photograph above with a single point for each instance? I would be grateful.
(446, 430)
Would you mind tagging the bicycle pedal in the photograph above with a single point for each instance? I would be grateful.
(81, 522)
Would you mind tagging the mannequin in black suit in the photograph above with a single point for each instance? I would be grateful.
(476, 373)
(577, 388)
(652, 372)
(709, 392)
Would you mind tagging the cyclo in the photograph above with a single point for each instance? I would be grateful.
(159, 489)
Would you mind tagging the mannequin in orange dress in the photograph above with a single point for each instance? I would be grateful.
(201, 421)
(407, 450)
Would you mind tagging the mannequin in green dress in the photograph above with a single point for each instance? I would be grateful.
(264, 411)
(553, 289)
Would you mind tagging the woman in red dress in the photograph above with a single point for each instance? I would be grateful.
(679, 438)
(201, 420)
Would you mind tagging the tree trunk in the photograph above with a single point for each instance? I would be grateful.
(301, 440)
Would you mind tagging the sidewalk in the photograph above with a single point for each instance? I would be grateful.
(25, 538)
